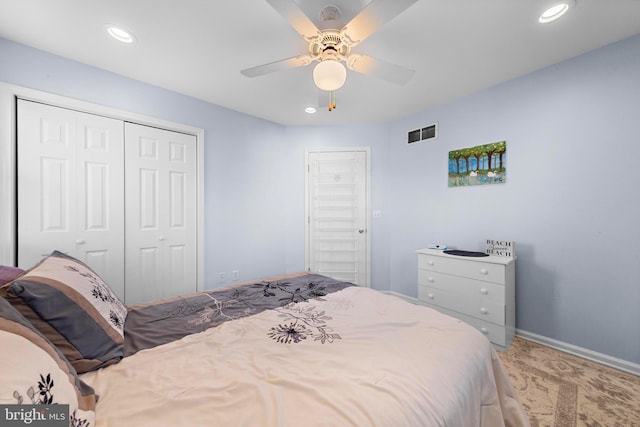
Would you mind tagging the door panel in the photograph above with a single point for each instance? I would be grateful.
(55, 195)
(161, 206)
(177, 190)
(148, 200)
(46, 170)
(96, 196)
(100, 197)
(71, 189)
(337, 215)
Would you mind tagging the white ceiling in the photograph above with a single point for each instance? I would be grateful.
(198, 47)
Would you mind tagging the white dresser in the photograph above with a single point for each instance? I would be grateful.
(477, 290)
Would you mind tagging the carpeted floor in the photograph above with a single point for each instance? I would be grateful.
(561, 390)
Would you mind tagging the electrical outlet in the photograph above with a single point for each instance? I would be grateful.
(221, 275)
(235, 275)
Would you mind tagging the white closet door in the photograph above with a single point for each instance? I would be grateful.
(161, 209)
(100, 198)
(337, 215)
(47, 139)
(70, 188)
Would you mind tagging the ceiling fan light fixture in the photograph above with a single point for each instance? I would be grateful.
(555, 11)
(329, 75)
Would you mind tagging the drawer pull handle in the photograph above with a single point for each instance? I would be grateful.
(484, 310)
(430, 296)
(484, 291)
(484, 271)
(80, 242)
(431, 279)
(430, 262)
(484, 331)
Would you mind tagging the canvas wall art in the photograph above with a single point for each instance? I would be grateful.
(479, 165)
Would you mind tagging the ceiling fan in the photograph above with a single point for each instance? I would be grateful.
(331, 44)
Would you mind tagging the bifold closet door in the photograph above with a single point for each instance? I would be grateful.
(160, 199)
(71, 188)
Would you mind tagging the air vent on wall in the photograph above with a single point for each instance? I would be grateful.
(427, 132)
(414, 136)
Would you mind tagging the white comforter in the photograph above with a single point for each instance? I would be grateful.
(356, 358)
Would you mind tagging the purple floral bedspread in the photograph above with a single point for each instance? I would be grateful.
(168, 320)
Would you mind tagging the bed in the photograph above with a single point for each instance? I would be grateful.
(293, 350)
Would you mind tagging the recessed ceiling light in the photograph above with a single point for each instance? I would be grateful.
(120, 34)
(555, 11)
(310, 110)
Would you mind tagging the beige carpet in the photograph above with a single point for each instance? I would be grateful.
(561, 390)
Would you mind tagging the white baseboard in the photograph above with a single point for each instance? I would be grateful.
(613, 362)
(623, 365)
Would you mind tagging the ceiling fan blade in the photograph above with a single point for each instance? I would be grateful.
(371, 18)
(285, 64)
(294, 15)
(376, 67)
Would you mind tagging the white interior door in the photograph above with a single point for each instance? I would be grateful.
(100, 198)
(337, 214)
(47, 157)
(161, 204)
(70, 188)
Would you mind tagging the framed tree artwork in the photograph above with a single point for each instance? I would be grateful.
(479, 165)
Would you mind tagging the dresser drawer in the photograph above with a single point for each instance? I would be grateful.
(495, 333)
(460, 266)
(484, 291)
(471, 305)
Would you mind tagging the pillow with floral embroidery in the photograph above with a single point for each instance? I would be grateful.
(35, 372)
(74, 308)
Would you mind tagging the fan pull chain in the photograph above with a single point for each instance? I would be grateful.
(332, 100)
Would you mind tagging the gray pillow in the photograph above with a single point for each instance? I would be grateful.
(73, 307)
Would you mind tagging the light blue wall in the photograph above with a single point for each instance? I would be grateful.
(571, 201)
(243, 223)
